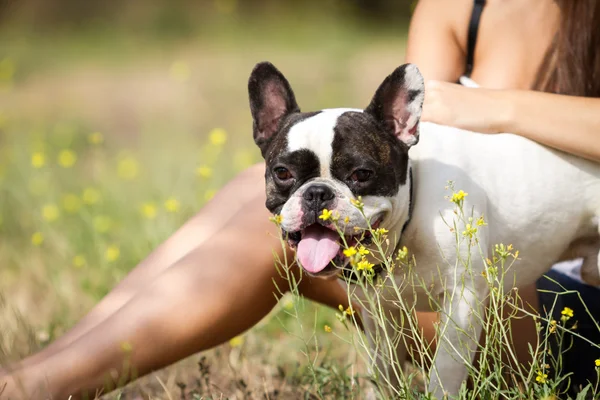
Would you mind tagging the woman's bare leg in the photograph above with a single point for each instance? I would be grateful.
(213, 216)
(215, 292)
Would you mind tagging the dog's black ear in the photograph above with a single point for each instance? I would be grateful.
(398, 102)
(271, 98)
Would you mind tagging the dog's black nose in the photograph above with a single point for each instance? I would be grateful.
(318, 196)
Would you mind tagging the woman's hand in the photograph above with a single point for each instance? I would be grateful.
(473, 109)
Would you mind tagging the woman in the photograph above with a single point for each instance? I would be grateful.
(212, 257)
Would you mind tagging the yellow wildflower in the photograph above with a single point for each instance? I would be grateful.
(402, 254)
(566, 313)
(204, 171)
(363, 251)
(481, 221)
(128, 168)
(102, 223)
(148, 210)
(172, 205)
(552, 328)
(210, 193)
(459, 196)
(470, 231)
(71, 203)
(346, 220)
(350, 251)
(276, 219)
(381, 231)
(79, 261)
(112, 253)
(541, 377)
(95, 138)
(357, 202)
(67, 158)
(236, 341)
(90, 196)
(364, 265)
(217, 136)
(327, 328)
(597, 362)
(37, 238)
(50, 212)
(326, 214)
(349, 311)
(38, 159)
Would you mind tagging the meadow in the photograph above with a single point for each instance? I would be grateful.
(111, 138)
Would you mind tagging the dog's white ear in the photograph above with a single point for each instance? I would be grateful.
(398, 103)
(271, 98)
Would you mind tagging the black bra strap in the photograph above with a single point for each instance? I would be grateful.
(472, 35)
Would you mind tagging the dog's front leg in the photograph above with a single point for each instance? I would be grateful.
(460, 329)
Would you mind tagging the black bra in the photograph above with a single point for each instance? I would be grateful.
(472, 34)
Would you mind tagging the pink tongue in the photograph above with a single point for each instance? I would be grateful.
(317, 248)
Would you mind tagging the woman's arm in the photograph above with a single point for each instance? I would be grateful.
(434, 43)
(567, 123)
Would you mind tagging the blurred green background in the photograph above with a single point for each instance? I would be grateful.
(120, 119)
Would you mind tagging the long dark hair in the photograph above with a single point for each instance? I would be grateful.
(572, 63)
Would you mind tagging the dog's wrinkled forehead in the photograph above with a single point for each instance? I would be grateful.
(316, 134)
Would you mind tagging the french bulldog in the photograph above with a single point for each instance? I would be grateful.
(543, 201)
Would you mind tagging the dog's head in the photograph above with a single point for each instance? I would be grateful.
(325, 160)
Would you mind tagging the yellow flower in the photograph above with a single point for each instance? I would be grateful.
(128, 168)
(327, 328)
(204, 171)
(67, 158)
(541, 377)
(364, 265)
(350, 251)
(236, 341)
(358, 202)
(481, 222)
(346, 220)
(381, 231)
(37, 238)
(459, 196)
(148, 210)
(363, 251)
(71, 203)
(552, 328)
(79, 261)
(112, 253)
(325, 215)
(102, 223)
(38, 159)
(95, 138)
(349, 311)
(566, 313)
(180, 71)
(402, 254)
(90, 196)
(210, 193)
(276, 219)
(217, 136)
(470, 231)
(50, 212)
(172, 205)
(597, 362)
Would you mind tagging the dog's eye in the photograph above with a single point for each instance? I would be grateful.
(361, 175)
(282, 173)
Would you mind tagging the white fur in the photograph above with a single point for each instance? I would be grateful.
(540, 200)
(316, 134)
(544, 202)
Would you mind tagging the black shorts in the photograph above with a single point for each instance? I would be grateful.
(579, 359)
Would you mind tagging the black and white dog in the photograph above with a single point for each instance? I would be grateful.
(545, 202)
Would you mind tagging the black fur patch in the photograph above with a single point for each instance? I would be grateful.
(361, 142)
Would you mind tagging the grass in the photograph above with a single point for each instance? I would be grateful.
(110, 141)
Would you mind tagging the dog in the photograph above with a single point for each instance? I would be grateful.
(544, 201)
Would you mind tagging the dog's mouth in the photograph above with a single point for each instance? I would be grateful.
(320, 249)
